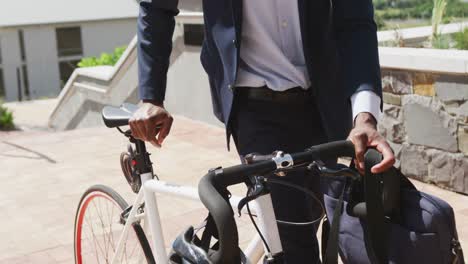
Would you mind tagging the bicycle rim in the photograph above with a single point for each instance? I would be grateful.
(98, 229)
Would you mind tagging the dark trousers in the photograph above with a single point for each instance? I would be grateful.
(264, 126)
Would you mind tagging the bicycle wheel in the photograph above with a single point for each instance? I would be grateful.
(98, 229)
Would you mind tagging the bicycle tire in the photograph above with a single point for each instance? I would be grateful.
(102, 191)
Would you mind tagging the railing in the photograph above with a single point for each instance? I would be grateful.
(415, 36)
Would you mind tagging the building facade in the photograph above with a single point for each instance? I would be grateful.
(36, 61)
(38, 54)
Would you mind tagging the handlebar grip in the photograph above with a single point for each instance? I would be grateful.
(388, 192)
(223, 216)
(327, 151)
(336, 149)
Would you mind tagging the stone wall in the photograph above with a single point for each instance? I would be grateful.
(425, 118)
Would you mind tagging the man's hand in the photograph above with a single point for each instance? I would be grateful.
(364, 135)
(151, 120)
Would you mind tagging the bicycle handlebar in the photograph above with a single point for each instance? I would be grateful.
(216, 181)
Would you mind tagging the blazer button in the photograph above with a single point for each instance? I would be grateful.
(231, 87)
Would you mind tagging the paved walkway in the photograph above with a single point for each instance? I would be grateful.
(44, 174)
(32, 115)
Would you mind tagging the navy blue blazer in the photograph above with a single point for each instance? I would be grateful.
(340, 47)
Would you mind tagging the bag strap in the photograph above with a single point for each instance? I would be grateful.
(376, 230)
(325, 235)
(331, 253)
(209, 232)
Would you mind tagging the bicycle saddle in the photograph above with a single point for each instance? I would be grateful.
(118, 116)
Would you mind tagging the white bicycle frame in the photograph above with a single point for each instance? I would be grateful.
(262, 206)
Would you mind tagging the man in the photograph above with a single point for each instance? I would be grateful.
(284, 75)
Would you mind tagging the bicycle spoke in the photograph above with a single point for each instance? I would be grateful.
(96, 245)
(110, 218)
(104, 233)
(101, 230)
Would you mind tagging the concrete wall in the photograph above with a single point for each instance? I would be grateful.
(188, 92)
(42, 61)
(41, 52)
(10, 49)
(104, 36)
(425, 118)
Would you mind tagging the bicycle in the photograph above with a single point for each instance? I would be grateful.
(117, 232)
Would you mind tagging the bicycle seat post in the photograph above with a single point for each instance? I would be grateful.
(142, 157)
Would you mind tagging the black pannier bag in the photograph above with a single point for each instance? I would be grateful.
(383, 218)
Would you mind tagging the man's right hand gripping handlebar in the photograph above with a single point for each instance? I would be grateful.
(151, 123)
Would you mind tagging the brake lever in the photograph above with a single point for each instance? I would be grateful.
(256, 188)
(327, 172)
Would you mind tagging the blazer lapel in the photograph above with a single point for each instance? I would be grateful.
(237, 16)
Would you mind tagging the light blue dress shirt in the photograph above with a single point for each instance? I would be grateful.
(272, 53)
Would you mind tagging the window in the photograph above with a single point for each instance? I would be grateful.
(2, 84)
(1, 60)
(66, 70)
(194, 34)
(69, 41)
(21, 43)
(24, 68)
(69, 50)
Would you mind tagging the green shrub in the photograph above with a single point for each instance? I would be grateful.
(441, 42)
(379, 21)
(104, 59)
(461, 39)
(6, 119)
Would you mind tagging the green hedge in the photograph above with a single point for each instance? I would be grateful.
(417, 9)
(104, 59)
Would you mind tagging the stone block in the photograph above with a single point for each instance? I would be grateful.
(391, 123)
(460, 176)
(392, 111)
(392, 99)
(397, 82)
(460, 111)
(423, 84)
(463, 139)
(448, 170)
(452, 88)
(414, 161)
(424, 89)
(397, 152)
(427, 123)
(452, 108)
(441, 168)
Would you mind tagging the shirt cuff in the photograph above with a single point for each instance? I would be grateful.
(366, 101)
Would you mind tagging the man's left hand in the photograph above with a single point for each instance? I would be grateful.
(365, 135)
